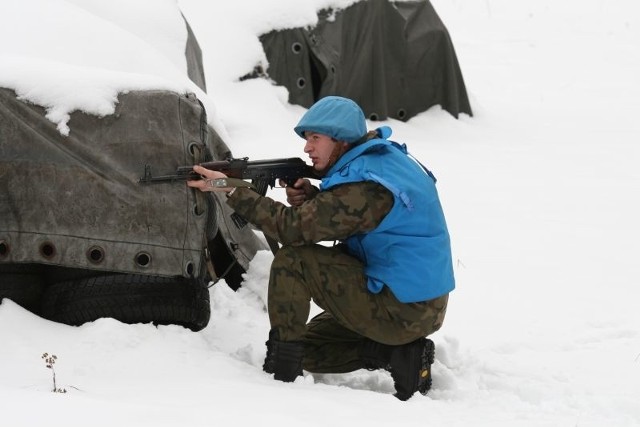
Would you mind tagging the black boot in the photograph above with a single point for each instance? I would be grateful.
(375, 355)
(284, 358)
(410, 367)
(409, 364)
(269, 360)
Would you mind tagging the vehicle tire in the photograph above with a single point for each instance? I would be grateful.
(23, 284)
(129, 298)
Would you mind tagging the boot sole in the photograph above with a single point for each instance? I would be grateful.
(428, 357)
(423, 380)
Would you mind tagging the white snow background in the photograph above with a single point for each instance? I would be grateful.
(540, 187)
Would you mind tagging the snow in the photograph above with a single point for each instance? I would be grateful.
(540, 189)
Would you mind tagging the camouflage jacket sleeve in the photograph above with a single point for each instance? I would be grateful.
(334, 214)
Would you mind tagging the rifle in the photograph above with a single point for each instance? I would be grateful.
(262, 173)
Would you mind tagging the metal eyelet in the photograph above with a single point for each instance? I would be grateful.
(4, 249)
(296, 47)
(47, 250)
(95, 254)
(189, 268)
(143, 259)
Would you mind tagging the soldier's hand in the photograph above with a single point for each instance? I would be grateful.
(299, 192)
(210, 180)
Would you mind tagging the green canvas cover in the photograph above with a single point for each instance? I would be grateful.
(395, 59)
(75, 201)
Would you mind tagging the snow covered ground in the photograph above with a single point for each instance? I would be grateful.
(540, 188)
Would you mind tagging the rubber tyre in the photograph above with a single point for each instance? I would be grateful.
(23, 284)
(130, 299)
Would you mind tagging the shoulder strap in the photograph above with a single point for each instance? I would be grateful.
(403, 148)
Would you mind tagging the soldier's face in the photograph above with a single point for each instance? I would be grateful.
(320, 148)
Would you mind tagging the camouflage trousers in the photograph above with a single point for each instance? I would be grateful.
(336, 282)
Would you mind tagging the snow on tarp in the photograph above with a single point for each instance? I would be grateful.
(82, 111)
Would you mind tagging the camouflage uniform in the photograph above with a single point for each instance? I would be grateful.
(304, 270)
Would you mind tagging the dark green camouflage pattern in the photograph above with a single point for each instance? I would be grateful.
(305, 271)
(331, 215)
(335, 281)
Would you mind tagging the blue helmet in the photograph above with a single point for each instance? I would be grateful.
(334, 116)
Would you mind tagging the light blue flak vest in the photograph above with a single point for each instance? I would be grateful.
(410, 250)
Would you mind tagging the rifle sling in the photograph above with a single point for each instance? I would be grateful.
(273, 244)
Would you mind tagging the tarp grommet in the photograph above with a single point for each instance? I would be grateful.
(95, 254)
(47, 250)
(296, 47)
(4, 249)
(301, 82)
(193, 148)
(189, 268)
(402, 113)
(143, 259)
(197, 210)
(373, 117)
